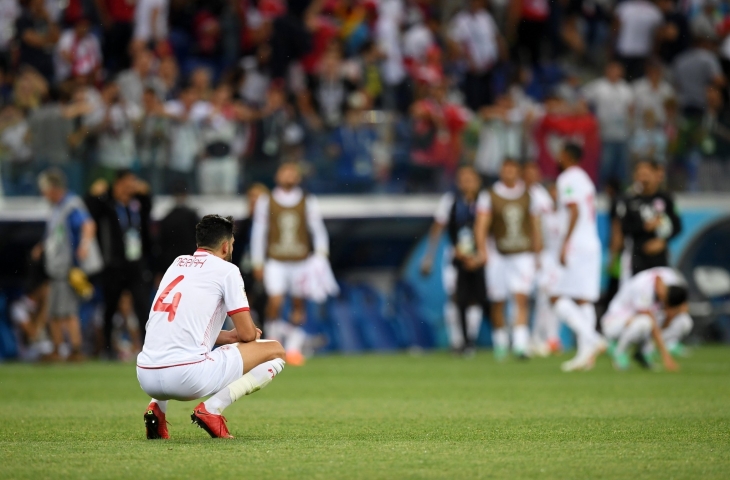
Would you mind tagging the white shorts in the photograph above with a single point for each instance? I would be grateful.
(509, 274)
(580, 279)
(613, 322)
(281, 278)
(220, 368)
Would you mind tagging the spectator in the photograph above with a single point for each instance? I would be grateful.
(133, 82)
(612, 99)
(256, 79)
(150, 23)
(218, 170)
(15, 152)
(351, 148)
(10, 10)
(169, 74)
(330, 88)
(694, 71)
(177, 230)
(650, 140)
(78, 53)
(387, 37)
(526, 28)
(184, 140)
(37, 36)
(67, 244)
(117, 19)
(29, 316)
(637, 21)
(122, 215)
(201, 81)
(673, 36)
(714, 168)
(52, 131)
(476, 38)
(153, 140)
(267, 138)
(651, 93)
(114, 124)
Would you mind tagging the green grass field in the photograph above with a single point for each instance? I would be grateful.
(373, 417)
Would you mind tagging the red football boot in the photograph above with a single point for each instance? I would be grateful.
(155, 423)
(215, 425)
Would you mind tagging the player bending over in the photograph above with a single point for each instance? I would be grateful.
(178, 362)
(652, 305)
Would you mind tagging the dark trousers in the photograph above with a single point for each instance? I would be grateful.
(530, 36)
(115, 281)
(478, 90)
(116, 43)
(633, 67)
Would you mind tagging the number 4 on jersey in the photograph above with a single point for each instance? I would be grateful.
(170, 308)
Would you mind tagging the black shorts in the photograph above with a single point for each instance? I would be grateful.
(471, 287)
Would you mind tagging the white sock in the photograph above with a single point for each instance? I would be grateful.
(500, 338)
(451, 317)
(253, 381)
(160, 403)
(294, 342)
(638, 330)
(589, 313)
(520, 339)
(570, 313)
(474, 316)
(543, 312)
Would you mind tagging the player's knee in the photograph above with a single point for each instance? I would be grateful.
(276, 350)
(643, 323)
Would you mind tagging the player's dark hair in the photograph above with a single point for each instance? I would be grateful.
(213, 230)
(574, 150)
(676, 295)
(122, 174)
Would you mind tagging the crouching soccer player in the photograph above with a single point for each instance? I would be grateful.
(650, 309)
(178, 362)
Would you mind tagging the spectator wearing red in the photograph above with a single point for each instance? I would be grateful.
(78, 53)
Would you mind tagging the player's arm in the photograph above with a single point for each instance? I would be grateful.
(315, 223)
(481, 227)
(244, 332)
(536, 233)
(434, 234)
(572, 221)
(667, 359)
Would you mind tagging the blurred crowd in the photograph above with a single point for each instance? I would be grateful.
(368, 95)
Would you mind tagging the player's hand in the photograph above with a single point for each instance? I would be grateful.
(83, 251)
(99, 188)
(564, 254)
(258, 334)
(670, 364)
(426, 267)
(652, 224)
(36, 253)
(655, 246)
(258, 274)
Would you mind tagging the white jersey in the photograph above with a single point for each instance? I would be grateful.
(576, 187)
(639, 293)
(550, 222)
(196, 294)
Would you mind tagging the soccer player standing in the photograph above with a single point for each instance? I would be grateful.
(579, 286)
(287, 227)
(178, 362)
(508, 215)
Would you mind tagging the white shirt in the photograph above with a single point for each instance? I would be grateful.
(185, 141)
(9, 12)
(443, 210)
(144, 28)
(484, 201)
(612, 102)
(650, 98)
(638, 20)
(416, 42)
(287, 199)
(549, 218)
(576, 187)
(387, 33)
(85, 52)
(477, 33)
(196, 294)
(638, 294)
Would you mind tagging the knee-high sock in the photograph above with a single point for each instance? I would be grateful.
(678, 328)
(451, 316)
(294, 342)
(638, 330)
(160, 403)
(520, 339)
(570, 313)
(589, 313)
(500, 338)
(474, 315)
(253, 381)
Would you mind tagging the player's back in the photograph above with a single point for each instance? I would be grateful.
(639, 292)
(576, 187)
(189, 310)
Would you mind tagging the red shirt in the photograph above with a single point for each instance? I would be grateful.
(121, 11)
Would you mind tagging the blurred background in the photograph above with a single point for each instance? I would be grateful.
(379, 102)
